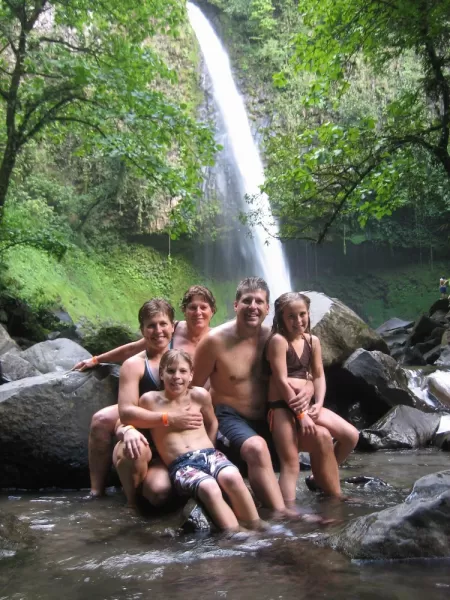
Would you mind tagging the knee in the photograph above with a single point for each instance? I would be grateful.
(230, 480)
(353, 437)
(156, 492)
(324, 439)
(255, 451)
(209, 491)
(102, 424)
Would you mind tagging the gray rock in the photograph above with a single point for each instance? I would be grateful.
(14, 534)
(55, 355)
(44, 426)
(14, 367)
(393, 324)
(417, 528)
(442, 436)
(401, 427)
(432, 355)
(6, 342)
(423, 329)
(385, 381)
(340, 330)
(444, 357)
(439, 386)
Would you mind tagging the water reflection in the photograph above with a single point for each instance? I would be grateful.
(98, 550)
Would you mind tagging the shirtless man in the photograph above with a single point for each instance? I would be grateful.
(198, 306)
(230, 356)
(196, 469)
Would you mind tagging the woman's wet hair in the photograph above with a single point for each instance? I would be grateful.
(281, 303)
(252, 284)
(198, 290)
(154, 307)
(174, 356)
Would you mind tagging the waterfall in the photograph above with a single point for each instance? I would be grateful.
(240, 170)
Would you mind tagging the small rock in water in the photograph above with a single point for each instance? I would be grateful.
(195, 518)
(367, 481)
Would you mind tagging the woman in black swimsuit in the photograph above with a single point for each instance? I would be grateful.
(294, 356)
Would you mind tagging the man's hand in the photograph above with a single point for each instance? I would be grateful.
(303, 398)
(186, 419)
(134, 442)
(84, 365)
(307, 426)
(314, 412)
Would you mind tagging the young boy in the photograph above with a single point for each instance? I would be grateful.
(195, 467)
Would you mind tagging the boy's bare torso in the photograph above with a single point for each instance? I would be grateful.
(172, 443)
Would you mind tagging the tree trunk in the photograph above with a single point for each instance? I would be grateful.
(6, 169)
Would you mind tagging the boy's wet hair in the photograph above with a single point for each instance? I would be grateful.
(154, 307)
(281, 303)
(174, 356)
(251, 284)
(198, 290)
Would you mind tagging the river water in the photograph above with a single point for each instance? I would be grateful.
(98, 550)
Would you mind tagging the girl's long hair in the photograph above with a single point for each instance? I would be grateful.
(280, 304)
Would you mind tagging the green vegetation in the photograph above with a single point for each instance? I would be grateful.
(105, 286)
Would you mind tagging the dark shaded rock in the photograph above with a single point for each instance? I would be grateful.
(392, 325)
(305, 461)
(441, 305)
(7, 344)
(417, 528)
(14, 367)
(366, 481)
(442, 441)
(422, 329)
(100, 339)
(195, 518)
(430, 486)
(402, 427)
(44, 425)
(412, 357)
(340, 330)
(424, 347)
(432, 355)
(384, 379)
(14, 534)
(55, 355)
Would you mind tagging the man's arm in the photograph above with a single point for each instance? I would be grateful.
(118, 355)
(209, 417)
(204, 360)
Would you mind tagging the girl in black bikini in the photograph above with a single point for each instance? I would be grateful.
(294, 356)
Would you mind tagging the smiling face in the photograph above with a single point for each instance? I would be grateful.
(177, 376)
(252, 308)
(157, 331)
(295, 318)
(198, 312)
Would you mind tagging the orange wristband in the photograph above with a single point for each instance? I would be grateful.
(165, 419)
(300, 416)
(95, 360)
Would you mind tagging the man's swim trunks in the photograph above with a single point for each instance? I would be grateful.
(235, 429)
(188, 470)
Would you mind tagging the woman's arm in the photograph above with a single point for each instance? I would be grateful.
(276, 355)
(118, 355)
(318, 379)
(209, 417)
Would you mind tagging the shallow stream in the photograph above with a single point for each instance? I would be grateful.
(98, 550)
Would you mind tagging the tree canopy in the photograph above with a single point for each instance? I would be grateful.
(330, 166)
(89, 69)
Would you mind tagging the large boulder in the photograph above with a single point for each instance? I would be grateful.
(55, 355)
(439, 386)
(417, 528)
(382, 379)
(13, 367)
(6, 343)
(340, 330)
(44, 426)
(401, 427)
(442, 436)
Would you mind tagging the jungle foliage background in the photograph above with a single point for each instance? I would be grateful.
(102, 148)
